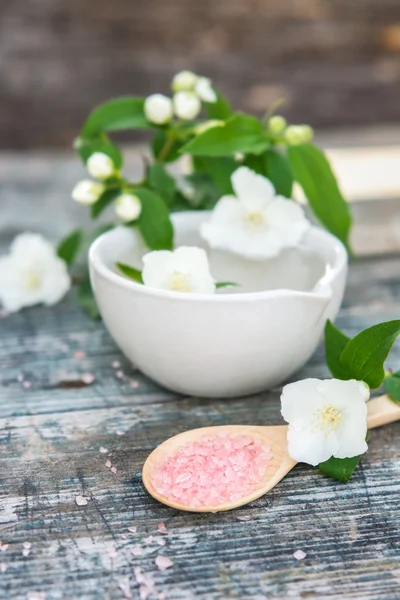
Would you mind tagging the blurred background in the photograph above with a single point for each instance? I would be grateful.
(335, 62)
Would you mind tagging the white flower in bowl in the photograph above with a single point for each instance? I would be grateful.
(326, 418)
(32, 273)
(256, 223)
(185, 269)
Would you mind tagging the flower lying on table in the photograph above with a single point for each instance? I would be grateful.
(326, 418)
(32, 273)
(256, 223)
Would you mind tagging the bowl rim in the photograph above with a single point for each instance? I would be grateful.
(321, 290)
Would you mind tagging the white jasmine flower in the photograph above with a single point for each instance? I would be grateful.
(128, 207)
(186, 105)
(185, 269)
(326, 418)
(32, 273)
(277, 125)
(257, 223)
(87, 192)
(298, 134)
(158, 109)
(204, 90)
(100, 166)
(184, 81)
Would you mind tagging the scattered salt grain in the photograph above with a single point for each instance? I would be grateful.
(36, 596)
(146, 584)
(148, 540)
(108, 463)
(103, 450)
(163, 562)
(134, 384)
(80, 500)
(27, 545)
(26, 552)
(113, 470)
(20, 377)
(161, 528)
(26, 384)
(212, 470)
(125, 587)
(88, 378)
(119, 432)
(80, 354)
(3, 547)
(160, 541)
(132, 529)
(299, 554)
(116, 364)
(161, 596)
(3, 567)
(136, 551)
(120, 374)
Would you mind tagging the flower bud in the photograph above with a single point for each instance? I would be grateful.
(184, 81)
(204, 90)
(100, 166)
(298, 134)
(128, 207)
(87, 192)
(158, 109)
(277, 125)
(186, 105)
(208, 125)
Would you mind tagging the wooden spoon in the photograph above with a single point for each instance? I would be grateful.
(381, 411)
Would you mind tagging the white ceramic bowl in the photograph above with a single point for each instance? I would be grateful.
(240, 340)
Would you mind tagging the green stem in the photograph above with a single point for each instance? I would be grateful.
(166, 148)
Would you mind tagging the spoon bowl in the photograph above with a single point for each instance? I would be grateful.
(381, 411)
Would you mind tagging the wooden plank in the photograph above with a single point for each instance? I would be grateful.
(335, 63)
(50, 440)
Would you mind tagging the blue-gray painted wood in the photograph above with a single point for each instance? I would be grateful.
(50, 436)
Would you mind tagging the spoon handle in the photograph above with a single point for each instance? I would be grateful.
(382, 410)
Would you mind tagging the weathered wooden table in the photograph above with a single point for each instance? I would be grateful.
(53, 439)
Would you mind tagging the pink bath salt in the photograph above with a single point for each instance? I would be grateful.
(113, 470)
(212, 470)
(80, 354)
(26, 384)
(88, 378)
(160, 541)
(137, 551)
(116, 364)
(148, 540)
(132, 529)
(163, 562)
(161, 528)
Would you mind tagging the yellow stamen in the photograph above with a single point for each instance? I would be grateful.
(32, 280)
(327, 419)
(179, 282)
(255, 219)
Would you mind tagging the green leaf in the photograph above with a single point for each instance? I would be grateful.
(86, 146)
(122, 113)
(204, 191)
(339, 468)
(219, 169)
(223, 284)
(221, 109)
(154, 221)
(392, 385)
(278, 170)
(364, 356)
(130, 272)
(335, 343)
(164, 150)
(105, 200)
(161, 181)
(312, 171)
(241, 133)
(69, 246)
(86, 299)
